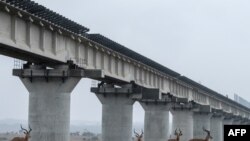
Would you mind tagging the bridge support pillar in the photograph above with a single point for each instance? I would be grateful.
(117, 112)
(226, 121)
(49, 100)
(217, 127)
(183, 120)
(201, 119)
(156, 121)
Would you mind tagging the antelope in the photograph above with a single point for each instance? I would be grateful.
(27, 135)
(177, 135)
(207, 137)
(138, 137)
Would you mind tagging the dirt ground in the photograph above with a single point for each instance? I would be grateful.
(8, 137)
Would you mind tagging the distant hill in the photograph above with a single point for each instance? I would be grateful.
(8, 125)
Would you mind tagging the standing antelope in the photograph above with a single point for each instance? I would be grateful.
(138, 137)
(27, 135)
(207, 137)
(177, 135)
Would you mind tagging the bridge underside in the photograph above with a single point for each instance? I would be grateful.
(27, 56)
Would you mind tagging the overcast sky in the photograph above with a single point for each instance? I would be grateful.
(205, 40)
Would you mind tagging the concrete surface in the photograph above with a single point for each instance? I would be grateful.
(49, 108)
(217, 128)
(183, 119)
(201, 120)
(117, 114)
(156, 122)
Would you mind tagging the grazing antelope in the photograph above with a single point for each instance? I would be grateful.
(207, 137)
(177, 135)
(27, 135)
(138, 137)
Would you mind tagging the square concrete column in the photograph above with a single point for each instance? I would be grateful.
(49, 101)
(226, 121)
(156, 121)
(117, 113)
(201, 119)
(217, 127)
(183, 120)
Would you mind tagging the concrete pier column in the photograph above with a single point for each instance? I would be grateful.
(49, 100)
(117, 113)
(156, 121)
(217, 128)
(201, 120)
(226, 121)
(183, 120)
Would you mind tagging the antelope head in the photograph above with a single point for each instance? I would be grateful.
(27, 135)
(138, 136)
(26, 132)
(177, 135)
(208, 134)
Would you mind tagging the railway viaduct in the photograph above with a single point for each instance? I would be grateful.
(59, 52)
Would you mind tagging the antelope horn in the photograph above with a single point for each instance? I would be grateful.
(175, 132)
(205, 129)
(24, 129)
(30, 129)
(180, 131)
(136, 134)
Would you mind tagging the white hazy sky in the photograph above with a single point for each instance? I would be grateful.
(205, 40)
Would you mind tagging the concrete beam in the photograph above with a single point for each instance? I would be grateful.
(228, 118)
(45, 73)
(217, 112)
(237, 120)
(117, 113)
(228, 121)
(107, 91)
(182, 106)
(201, 108)
(151, 93)
(148, 93)
(156, 121)
(49, 105)
(176, 99)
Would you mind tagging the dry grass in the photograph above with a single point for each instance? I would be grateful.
(8, 137)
